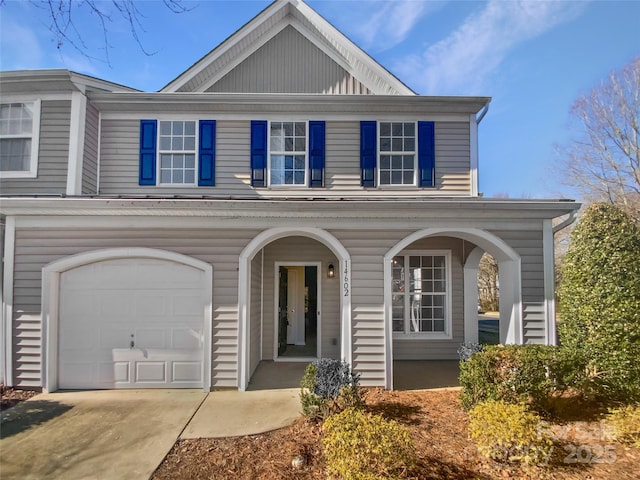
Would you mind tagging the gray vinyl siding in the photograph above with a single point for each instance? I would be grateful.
(90, 157)
(367, 249)
(36, 248)
(53, 158)
(528, 244)
(301, 249)
(120, 157)
(289, 63)
(255, 312)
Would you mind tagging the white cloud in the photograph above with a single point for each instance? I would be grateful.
(462, 62)
(391, 23)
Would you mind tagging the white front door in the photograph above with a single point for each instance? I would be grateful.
(131, 323)
(295, 306)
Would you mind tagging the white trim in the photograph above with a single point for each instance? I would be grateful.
(473, 155)
(76, 143)
(276, 301)
(549, 282)
(244, 289)
(509, 265)
(34, 97)
(7, 301)
(470, 269)
(35, 141)
(99, 153)
(51, 292)
(172, 152)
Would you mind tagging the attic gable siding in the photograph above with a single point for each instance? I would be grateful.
(289, 63)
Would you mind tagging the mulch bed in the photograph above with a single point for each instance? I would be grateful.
(11, 396)
(438, 426)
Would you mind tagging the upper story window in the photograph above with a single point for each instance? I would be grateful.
(288, 153)
(421, 292)
(177, 152)
(19, 138)
(397, 153)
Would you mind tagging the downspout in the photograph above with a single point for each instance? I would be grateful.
(483, 112)
(566, 222)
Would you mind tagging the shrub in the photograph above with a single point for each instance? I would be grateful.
(599, 302)
(625, 423)
(467, 349)
(362, 446)
(328, 386)
(514, 374)
(509, 433)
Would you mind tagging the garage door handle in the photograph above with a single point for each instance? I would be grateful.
(132, 344)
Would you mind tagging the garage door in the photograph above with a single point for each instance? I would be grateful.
(131, 323)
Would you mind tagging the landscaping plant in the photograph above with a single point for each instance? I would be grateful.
(329, 386)
(599, 302)
(625, 424)
(363, 446)
(509, 433)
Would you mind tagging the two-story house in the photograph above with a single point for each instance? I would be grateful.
(284, 199)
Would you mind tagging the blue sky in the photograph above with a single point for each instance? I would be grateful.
(533, 57)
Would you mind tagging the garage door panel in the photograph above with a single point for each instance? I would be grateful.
(157, 304)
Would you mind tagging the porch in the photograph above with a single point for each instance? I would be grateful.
(408, 374)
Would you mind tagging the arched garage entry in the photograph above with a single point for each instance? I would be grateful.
(127, 318)
(343, 275)
(510, 279)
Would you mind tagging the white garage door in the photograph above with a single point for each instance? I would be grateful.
(131, 323)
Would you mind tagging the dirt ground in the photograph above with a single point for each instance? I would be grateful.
(11, 397)
(438, 426)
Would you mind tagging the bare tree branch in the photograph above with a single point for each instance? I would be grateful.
(63, 17)
(602, 160)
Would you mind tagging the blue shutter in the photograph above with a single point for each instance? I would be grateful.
(316, 153)
(147, 169)
(426, 154)
(258, 153)
(368, 153)
(207, 154)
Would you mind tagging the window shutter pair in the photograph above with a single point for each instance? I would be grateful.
(206, 153)
(369, 153)
(316, 149)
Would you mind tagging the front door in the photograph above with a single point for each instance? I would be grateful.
(297, 311)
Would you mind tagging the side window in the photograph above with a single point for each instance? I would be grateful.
(19, 139)
(421, 292)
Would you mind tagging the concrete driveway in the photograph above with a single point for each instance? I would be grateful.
(93, 434)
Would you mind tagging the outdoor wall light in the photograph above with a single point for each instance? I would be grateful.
(331, 271)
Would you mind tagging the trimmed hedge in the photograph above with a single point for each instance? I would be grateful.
(516, 374)
(599, 302)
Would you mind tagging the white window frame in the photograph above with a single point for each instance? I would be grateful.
(305, 183)
(32, 172)
(159, 153)
(447, 334)
(391, 153)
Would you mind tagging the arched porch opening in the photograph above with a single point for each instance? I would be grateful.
(479, 241)
(281, 270)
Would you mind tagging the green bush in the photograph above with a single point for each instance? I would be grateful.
(362, 446)
(599, 302)
(327, 387)
(514, 374)
(625, 423)
(509, 433)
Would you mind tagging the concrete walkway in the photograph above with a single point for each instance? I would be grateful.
(122, 434)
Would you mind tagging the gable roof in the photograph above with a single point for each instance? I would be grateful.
(363, 70)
